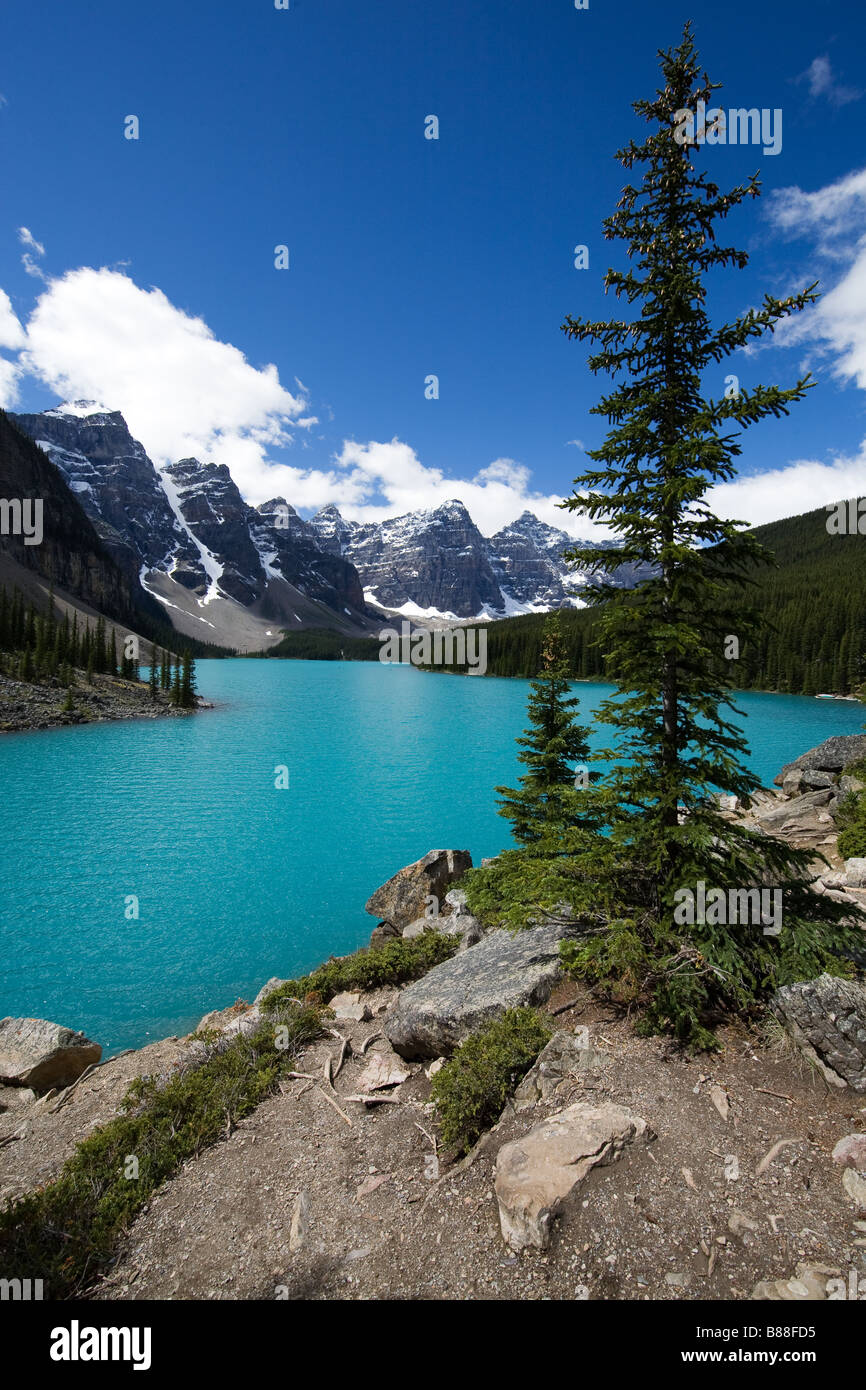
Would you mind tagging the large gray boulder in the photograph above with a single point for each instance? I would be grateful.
(827, 1020)
(404, 898)
(431, 1017)
(535, 1174)
(39, 1054)
(833, 755)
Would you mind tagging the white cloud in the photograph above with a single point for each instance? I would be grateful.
(11, 332)
(834, 217)
(26, 237)
(95, 334)
(496, 495)
(11, 336)
(801, 486)
(819, 75)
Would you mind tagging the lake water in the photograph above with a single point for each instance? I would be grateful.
(237, 880)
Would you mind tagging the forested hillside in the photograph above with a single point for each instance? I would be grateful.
(814, 604)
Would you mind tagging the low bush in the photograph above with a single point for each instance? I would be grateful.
(851, 817)
(394, 963)
(471, 1089)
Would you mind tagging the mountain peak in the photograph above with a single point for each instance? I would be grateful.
(80, 410)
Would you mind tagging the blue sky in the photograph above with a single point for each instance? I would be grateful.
(151, 286)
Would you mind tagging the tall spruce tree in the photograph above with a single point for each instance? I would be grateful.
(667, 643)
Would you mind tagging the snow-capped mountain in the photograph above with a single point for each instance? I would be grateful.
(430, 562)
(437, 563)
(224, 570)
(236, 574)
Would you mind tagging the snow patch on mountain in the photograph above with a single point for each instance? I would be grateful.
(209, 562)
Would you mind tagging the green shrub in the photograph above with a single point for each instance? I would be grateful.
(391, 964)
(852, 836)
(66, 1233)
(851, 817)
(471, 1088)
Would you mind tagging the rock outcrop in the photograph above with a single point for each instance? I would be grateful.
(39, 1054)
(827, 1020)
(833, 755)
(404, 898)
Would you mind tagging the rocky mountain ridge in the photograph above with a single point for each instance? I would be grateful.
(185, 535)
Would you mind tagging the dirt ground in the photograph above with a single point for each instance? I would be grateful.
(686, 1218)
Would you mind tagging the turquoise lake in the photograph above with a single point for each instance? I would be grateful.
(236, 880)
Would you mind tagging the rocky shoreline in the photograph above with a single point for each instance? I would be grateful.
(28, 706)
(621, 1168)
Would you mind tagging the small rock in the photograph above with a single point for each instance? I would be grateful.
(385, 932)
(738, 1222)
(854, 1184)
(851, 1151)
(268, 988)
(300, 1221)
(383, 1069)
(719, 1097)
(16, 1097)
(855, 873)
(348, 1005)
(809, 1285)
(369, 1185)
(679, 1279)
(565, 1056)
(418, 928)
(536, 1173)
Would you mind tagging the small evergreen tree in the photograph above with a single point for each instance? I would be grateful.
(555, 813)
(545, 803)
(187, 690)
(176, 688)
